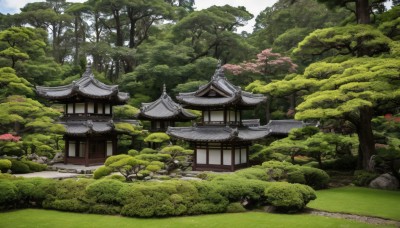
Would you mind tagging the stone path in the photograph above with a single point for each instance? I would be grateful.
(61, 171)
(48, 174)
(359, 218)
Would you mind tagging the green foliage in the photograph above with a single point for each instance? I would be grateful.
(235, 208)
(104, 191)
(363, 177)
(157, 137)
(102, 171)
(8, 193)
(296, 177)
(11, 84)
(5, 165)
(316, 178)
(133, 152)
(19, 167)
(288, 197)
(34, 166)
(355, 40)
(148, 151)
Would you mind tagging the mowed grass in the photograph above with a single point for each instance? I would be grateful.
(55, 219)
(361, 201)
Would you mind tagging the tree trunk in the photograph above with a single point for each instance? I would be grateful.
(362, 12)
(268, 109)
(366, 138)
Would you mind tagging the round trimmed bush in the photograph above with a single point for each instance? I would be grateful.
(104, 191)
(133, 152)
(8, 193)
(235, 208)
(288, 198)
(296, 177)
(102, 171)
(5, 165)
(148, 151)
(34, 166)
(19, 167)
(105, 209)
(316, 178)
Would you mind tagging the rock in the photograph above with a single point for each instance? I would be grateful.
(41, 160)
(385, 181)
(32, 157)
(59, 157)
(147, 178)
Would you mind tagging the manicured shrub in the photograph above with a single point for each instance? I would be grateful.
(105, 209)
(8, 193)
(133, 152)
(104, 191)
(102, 171)
(235, 208)
(257, 173)
(316, 178)
(148, 151)
(34, 166)
(296, 177)
(19, 167)
(288, 198)
(5, 165)
(74, 205)
(343, 163)
(149, 199)
(363, 177)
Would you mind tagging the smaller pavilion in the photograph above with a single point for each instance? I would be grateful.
(90, 136)
(163, 112)
(221, 140)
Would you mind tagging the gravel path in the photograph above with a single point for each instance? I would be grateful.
(359, 218)
(48, 174)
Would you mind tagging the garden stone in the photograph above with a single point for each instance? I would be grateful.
(147, 178)
(59, 157)
(191, 178)
(385, 181)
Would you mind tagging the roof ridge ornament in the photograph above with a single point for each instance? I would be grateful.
(164, 89)
(219, 72)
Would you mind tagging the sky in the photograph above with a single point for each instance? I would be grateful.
(253, 6)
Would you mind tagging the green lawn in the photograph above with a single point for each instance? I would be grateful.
(45, 218)
(361, 201)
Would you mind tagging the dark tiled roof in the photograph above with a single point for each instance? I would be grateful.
(86, 86)
(219, 91)
(164, 108)
(283, 127)
(88, 127)
(217, 134)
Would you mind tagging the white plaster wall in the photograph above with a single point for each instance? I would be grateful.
(109, 148)
(217, 116)
(82, 149)
(107, 109)
(243, 156)
(237, 156)
(232, 116)
(100, 108)
(90, 107)
(80, 108)
(205, 114)
(214, 156)
(201, 157)
(227, 157)
(71, 108)
(71, 149)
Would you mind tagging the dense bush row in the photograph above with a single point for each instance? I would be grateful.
(218, 193)
(20, 166)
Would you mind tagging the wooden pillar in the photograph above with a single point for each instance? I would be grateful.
(87, 152)
(194, 165)
(66, 149)
(233, 158)
(114, 146)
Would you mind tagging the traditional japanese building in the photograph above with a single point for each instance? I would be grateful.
(221, 140)
(88, 107)
(163, 112)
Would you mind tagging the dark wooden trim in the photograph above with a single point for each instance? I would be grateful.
(86, 108)
(66, 148)
(87, 152)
